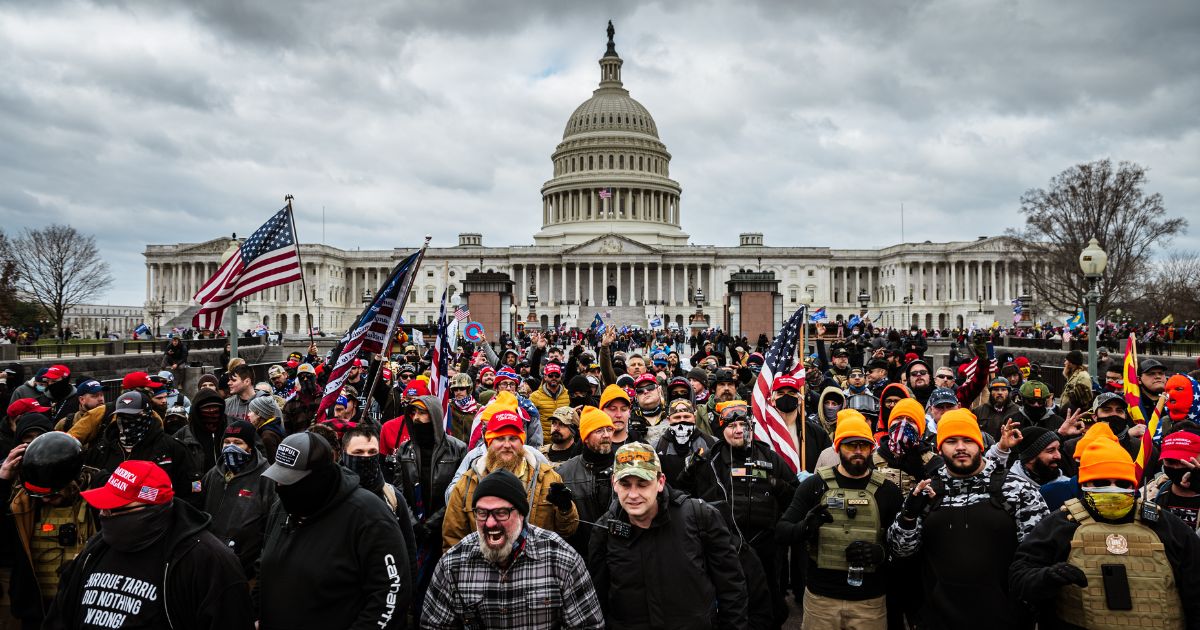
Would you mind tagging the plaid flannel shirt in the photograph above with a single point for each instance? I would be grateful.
(547, 586)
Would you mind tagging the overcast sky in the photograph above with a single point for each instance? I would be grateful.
(159, 122)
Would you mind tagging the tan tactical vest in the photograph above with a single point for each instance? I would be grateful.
(906, 481)
(1152, 586)
(46, 548)
(829, 550)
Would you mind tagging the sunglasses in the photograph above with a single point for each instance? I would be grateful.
(919, 373)
(645, 389)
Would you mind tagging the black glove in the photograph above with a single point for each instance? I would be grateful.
(560, 496)
(420, 531)
(1065, 573)
(816, 517)
(861, 553)
(915, 505)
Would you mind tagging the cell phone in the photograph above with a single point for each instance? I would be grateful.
(1116, 587)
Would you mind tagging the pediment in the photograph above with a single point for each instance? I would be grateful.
(992, 244)
(215, 246)
(610, 245)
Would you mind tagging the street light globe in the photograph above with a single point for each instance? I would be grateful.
(512, 310)
(1093, 260)
(733, 309)
(455, 300)
(808, 298)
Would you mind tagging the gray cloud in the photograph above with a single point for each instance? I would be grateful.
(150, 122)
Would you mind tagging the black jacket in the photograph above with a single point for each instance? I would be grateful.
(239, 505)
(1050, 543)
(204, 448)
(425, 491)
(344, 567)
(590, 482)
(158, 447)
(203, 584)
(756, 502)
(670, 575)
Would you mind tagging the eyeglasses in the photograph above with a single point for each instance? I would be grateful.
(501, 514)
(947, 376)
(646, 389)
(919, 373)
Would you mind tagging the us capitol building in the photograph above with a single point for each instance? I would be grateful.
(612, 242)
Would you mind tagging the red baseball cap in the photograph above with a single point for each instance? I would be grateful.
(504, 422)
(387, 374)
(55, 372)
(643, 379)
(785, 382)
(22, 406)
(552, 368)
(134, 380)
(1180, 445)
(133, 480)
(486, 369)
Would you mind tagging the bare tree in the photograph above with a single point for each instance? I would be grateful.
(8, 280)
(1086, 201)
(1174, 290)
(58, 268)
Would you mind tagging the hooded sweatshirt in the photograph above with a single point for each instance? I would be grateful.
(829, 425)
(203, 446)
(239, 504)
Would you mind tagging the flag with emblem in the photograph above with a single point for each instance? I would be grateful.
(462, 313)
(780, 362)
(269, 258)
(818, 316)
(373, 329)
(439, 380)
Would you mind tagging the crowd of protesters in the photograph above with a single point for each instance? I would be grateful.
(619, 479)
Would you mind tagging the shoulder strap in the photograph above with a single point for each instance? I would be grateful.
(995, 487)
(877, 460)
(876, 480)
(1076, 512)
(826, 474)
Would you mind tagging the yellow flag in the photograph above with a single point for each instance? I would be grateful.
(1169, 319)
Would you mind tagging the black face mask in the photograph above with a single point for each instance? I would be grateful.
(60, 390)
(137, 530)
(133, 428)
(1034, 413)
(370, 474)
(578, 400)
(1176, 477)
(787, 404)
(307, 496)
(422, 433)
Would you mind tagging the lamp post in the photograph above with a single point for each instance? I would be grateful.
(733, 310)
(864, 298)
(320, 318)
(512, 320)
(1092, 260)
(908, 300)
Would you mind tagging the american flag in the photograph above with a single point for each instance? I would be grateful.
(267, 259)
(605, 193)
(779, 362)
(439, 380)
(462, 313)
(373, 328)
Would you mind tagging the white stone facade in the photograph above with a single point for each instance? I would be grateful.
(624, 255)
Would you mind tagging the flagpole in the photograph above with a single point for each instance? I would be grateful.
(802, 418)
(402, 299)
(303, 284)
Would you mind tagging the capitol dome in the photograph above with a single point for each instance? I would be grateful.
(611, 171)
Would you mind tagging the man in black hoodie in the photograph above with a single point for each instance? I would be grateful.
(334, 555)
(424, 468)
(202, 435)
(236, 494)
(153, 565)
(135, 433)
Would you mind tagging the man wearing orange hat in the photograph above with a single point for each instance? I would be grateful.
(1107, 559)
(842, 512)
(550, 504)
(752, 479)
(616, 403)
(965, 521)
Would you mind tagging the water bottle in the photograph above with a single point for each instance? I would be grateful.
(854, 576)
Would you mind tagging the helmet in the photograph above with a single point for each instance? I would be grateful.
(177, 411)
(865, 404)
(167, 377)
(461, 380)
(724, 375)
(52, 461)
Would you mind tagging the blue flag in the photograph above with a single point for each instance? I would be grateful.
(818, 316)
(853, 321)
(142, 329)
(598, 325)
(1076, 321)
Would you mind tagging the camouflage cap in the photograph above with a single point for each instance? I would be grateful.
(638, 460)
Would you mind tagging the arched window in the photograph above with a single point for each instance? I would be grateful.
(621, 161)
(610, 160)
(591, 163)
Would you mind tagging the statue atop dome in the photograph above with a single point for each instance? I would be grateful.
(612, 46)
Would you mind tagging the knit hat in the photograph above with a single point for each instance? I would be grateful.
(1034, 440)
(958, 423)
(611, 393)
(502, 485)
(501, 401)
(851, 425)
(909, 408)
(579, 383)
(241, 430)
(698, 374)
(264, 407)
(1098, 431)
(504, 422)
(1103, 459)
(1183, 398)
(591, 419)
(506, 374)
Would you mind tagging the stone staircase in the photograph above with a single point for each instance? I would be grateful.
(614, 316)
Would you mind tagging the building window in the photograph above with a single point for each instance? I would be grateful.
(810, 273)
(793, 295)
